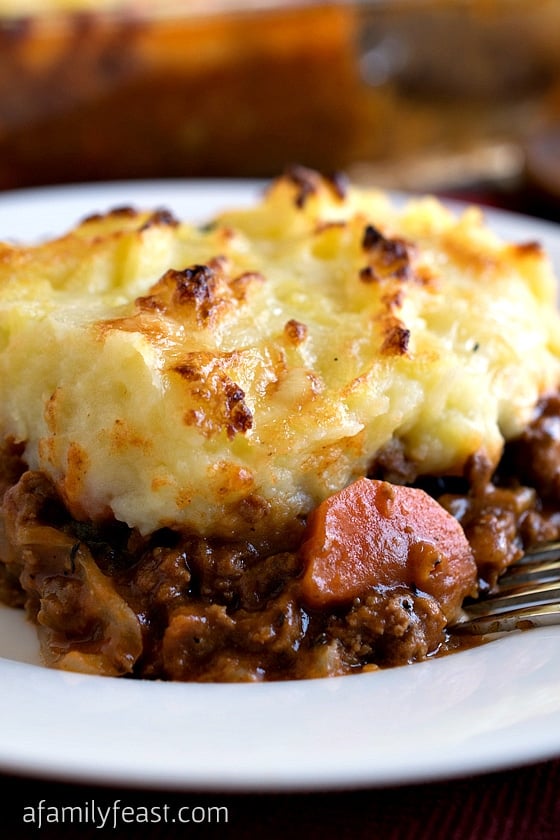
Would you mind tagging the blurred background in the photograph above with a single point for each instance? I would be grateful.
(428, 95)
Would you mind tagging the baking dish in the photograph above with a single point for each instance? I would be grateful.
(392, 90)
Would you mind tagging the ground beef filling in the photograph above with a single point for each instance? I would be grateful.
(175, 607)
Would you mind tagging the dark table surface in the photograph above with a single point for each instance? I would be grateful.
(517, 804)
(521, 803)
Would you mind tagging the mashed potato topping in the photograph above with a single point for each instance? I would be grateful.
(224, 379)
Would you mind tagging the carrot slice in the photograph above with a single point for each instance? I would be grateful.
(376, 534)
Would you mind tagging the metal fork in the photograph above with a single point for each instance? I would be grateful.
(527, 595)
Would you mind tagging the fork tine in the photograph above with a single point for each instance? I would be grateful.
(544, 551)
(526, 594)
(518, 619)
(537, 570)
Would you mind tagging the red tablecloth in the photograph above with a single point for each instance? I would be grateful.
(520, 804)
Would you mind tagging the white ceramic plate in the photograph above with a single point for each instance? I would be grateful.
(484, 709)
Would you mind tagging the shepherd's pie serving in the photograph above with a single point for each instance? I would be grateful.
(286, 443)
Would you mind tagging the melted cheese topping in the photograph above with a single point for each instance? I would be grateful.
(225, 379)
